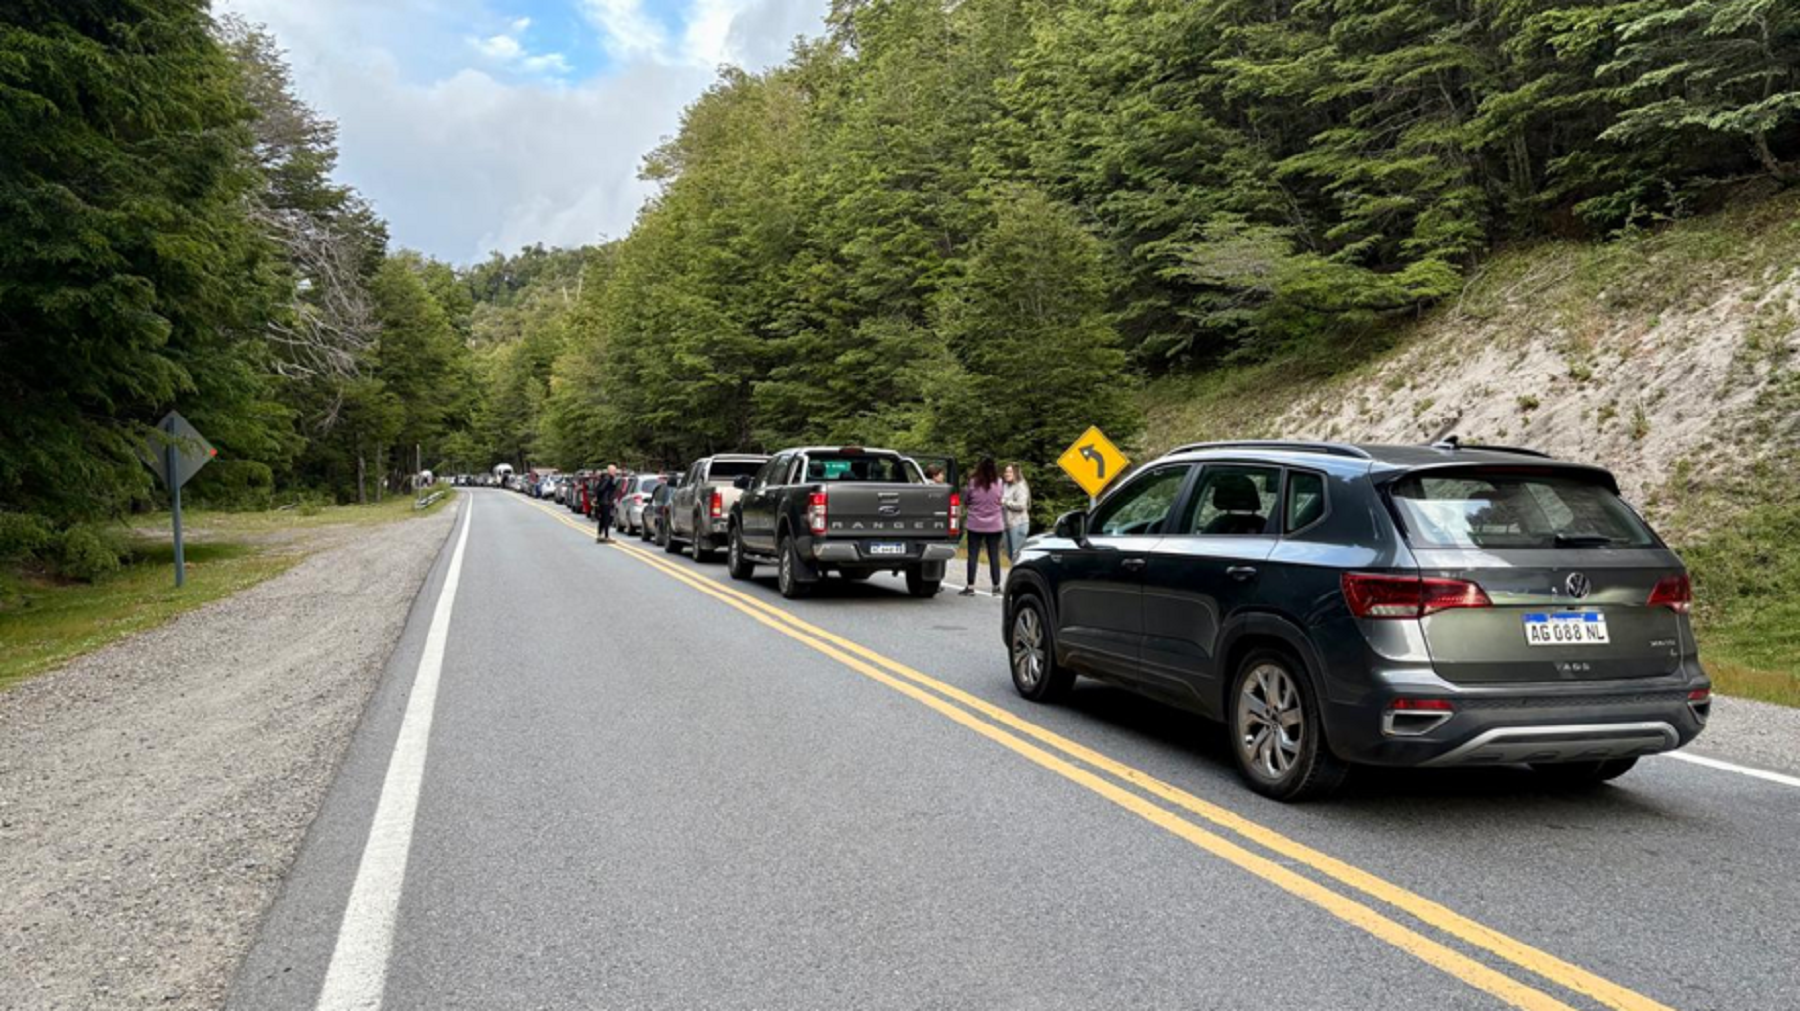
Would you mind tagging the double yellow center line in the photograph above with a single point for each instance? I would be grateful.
(1060, 755)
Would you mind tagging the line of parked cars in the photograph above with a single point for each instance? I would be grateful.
(810, 512)
(1331, 604)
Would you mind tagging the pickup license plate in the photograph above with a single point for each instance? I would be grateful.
(886, 549)
(1572, 628)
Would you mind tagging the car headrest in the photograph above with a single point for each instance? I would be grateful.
(1236, 493)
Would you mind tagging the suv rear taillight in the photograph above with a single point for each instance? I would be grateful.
(955, 514)
(717, 509)
(1378, 596)
(815, 512)
(1673, 592)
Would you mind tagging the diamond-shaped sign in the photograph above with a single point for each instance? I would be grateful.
(1093, 461)
(192, 451)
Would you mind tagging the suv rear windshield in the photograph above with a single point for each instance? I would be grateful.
(725, 470)
(852, 467)
(1481, 509)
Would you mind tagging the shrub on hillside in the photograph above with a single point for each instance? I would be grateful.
(85, 553)
(23, 535)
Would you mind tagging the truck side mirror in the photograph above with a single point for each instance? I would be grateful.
(741, 482)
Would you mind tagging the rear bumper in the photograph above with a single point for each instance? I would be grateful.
(854, 552)
(1518, 723)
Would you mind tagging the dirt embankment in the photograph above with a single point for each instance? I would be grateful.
(1671, 358)
(153, 793)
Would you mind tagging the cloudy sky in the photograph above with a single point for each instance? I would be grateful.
(492, 124)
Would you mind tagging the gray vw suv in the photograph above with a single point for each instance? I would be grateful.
(1384, 605)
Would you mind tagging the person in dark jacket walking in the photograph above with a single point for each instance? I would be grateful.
(606, 499)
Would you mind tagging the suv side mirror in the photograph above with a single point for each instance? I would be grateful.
(741, 482)
(1072, 526)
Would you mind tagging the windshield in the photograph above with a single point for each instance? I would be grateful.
(1479, 509)
(857, 467)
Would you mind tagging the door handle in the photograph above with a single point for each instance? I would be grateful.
(1132, 564)
(1241, 573)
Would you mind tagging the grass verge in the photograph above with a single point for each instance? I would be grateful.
(46, 622)
(1747, 592)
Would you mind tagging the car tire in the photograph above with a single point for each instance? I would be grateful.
(1580, 774)
(644, 533)
(787, 574)
(919, 586)
(697, 548)
(1283, 756)
(738, 566)
(666, 538)
(1031, 652)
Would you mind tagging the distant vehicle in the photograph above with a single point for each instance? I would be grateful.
(575, 497)
(848, 510)
(1383, 605)
(700, 514)
(629, 517)
(655, 527)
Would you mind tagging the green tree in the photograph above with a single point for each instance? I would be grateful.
(1026, 321)
(132, 280)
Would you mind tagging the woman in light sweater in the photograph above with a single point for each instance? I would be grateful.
(1015, 501)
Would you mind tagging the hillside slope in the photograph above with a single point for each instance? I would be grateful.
(1671, 357)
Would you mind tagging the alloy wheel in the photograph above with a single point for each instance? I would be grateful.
(1271, 723)
(1028, 649)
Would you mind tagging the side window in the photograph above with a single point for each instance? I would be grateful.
(1233, 499)
(1140, 507)
(768, 474)
(1305, 499)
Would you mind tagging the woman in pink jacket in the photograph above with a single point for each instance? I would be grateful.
(984, 522)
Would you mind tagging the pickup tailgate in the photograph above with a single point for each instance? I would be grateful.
(887, 511)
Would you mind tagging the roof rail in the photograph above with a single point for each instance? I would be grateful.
(1451, 442)
(1290, 446)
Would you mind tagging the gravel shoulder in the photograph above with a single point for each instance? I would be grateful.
(154, 793)
(1752, 733)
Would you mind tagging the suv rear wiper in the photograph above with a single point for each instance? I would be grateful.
(1585, 541)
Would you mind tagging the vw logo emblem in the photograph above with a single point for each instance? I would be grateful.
(1578, 586)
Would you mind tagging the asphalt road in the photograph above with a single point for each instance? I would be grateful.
(647, 786)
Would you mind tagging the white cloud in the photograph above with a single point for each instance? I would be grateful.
(627, 30)
(467, 145)
(504, 48)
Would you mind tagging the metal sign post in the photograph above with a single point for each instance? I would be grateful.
(177, 453)
(175, 510)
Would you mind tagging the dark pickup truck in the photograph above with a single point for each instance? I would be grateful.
(843, 509)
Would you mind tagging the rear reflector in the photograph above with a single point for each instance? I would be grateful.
(1673, 592)
(1423, 705)
(1700, 695)
(1378, 596)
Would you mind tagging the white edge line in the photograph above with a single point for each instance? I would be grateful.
(1742, 770)
(357, 975)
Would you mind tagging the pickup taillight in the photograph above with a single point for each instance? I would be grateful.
(815, 512)
(718, 504)
(955, 514)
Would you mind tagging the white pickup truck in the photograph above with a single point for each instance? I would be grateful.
(700, 512)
